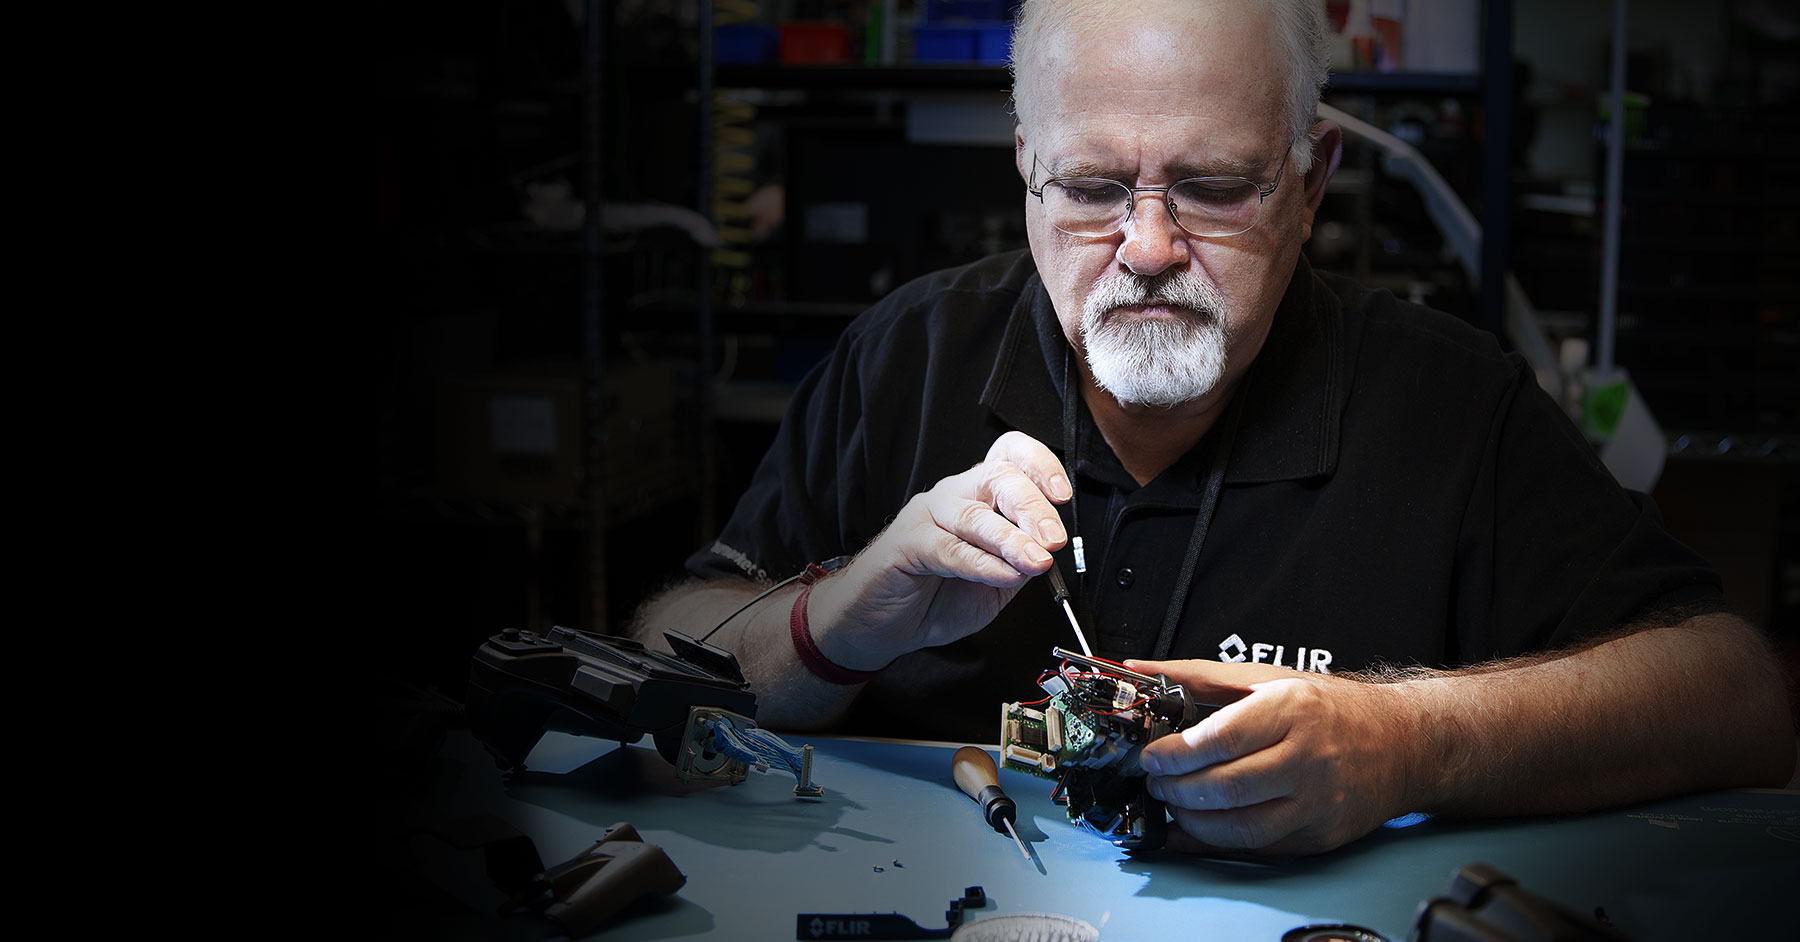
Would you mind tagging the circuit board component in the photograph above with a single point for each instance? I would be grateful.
(1087, 735)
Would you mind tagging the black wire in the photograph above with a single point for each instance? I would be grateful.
(829, 566)
(764, 595)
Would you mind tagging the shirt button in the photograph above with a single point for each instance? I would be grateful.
(1126, 578)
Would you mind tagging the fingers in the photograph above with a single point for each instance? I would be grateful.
(1272, 827)
(1013, 495)
(1237, 730)
(954, 554)
(1300, 765)
(995, 523)
(1249, 804)
(1231, 680)
(1231, 779)
(1036, 460)
(1263, 775)
(970, 540)
(1023, 481)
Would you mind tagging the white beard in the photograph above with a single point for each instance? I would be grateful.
(1155, 363)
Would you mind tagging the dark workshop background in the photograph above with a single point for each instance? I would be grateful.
(611, 246)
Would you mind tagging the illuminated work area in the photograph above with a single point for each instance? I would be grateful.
(1251, 469)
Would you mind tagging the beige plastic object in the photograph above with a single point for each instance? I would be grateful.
(613, 872)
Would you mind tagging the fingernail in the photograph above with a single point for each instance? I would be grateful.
(1059, 487)
(1036, 554)
(1050, 531)
(1149, 762)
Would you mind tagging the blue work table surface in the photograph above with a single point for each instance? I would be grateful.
(893, 834)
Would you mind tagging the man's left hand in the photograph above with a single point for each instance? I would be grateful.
(1295, 763)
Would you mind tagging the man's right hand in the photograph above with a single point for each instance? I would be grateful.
(952, 558)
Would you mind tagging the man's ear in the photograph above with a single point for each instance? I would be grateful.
(1019, 152)
(1328, 152)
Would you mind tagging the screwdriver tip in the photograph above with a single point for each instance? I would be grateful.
(1015, 836)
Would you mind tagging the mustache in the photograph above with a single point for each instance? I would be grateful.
(1178, 288)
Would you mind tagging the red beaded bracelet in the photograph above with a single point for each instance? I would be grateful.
(810, 655)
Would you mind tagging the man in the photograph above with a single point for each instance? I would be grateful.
(1274, 477)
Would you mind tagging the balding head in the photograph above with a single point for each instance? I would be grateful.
(1048, 32)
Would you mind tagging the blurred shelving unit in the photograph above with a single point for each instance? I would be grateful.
(513, 127)
(533, 442)
(809, 284)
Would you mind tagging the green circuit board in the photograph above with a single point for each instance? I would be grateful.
(1046, 737)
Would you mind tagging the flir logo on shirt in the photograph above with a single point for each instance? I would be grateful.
(1233, 650)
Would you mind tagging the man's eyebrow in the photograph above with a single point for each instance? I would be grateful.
(1088, 168)
(1250, 169)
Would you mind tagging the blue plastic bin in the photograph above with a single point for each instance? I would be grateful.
(745, 43)
(944, 43)
(963, 43)
(991, 41)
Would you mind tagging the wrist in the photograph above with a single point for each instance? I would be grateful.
(1427, 762)
(833, 663)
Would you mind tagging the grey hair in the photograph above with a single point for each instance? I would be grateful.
(1299, 28)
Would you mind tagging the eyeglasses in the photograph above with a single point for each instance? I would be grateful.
(1201, 206)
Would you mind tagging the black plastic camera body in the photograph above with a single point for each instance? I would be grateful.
(522, 685)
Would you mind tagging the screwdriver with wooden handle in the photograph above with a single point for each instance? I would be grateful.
(976, 775)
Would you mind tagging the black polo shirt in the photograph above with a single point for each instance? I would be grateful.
(1399, 491)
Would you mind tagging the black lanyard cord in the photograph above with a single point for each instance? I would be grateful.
(1070, 397)
(1071, 442)
(1209, 504)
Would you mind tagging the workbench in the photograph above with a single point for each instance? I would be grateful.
(892, 834)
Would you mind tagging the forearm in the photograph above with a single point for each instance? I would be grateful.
(946, 564)
(787, 695)
(1690, 707)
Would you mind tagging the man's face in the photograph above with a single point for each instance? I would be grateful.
(1163, 317)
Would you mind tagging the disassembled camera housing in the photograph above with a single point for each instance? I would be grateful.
(721, 744)
(693, 702)
(1087, 736)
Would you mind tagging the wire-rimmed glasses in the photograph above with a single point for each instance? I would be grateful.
(1201, 206)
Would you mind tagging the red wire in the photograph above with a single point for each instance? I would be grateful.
(1122, 709)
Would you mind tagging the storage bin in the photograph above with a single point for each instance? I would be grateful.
(991, 42)
(944, 43)
(812, 42)
(745, 44)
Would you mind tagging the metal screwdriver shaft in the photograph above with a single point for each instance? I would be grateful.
(976, 775)
(1061, 590)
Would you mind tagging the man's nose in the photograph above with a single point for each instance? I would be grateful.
(1153, 242)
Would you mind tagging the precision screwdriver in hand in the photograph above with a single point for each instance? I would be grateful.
(976, 775)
